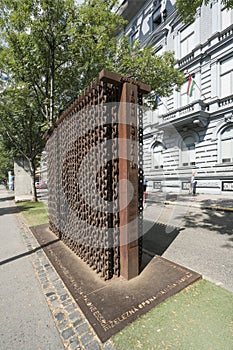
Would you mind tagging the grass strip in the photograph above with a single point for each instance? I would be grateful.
(199, 317)
(34, 213)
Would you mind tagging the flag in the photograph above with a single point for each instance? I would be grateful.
(191, 83)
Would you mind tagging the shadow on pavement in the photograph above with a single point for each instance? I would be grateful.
(22, 255)
(156, 240)
(8, 210)
(14, 209)
(216, 221)
(9, 198)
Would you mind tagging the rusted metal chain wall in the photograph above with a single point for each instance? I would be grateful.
(83, 175)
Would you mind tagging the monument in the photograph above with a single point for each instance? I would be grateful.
(95, 175)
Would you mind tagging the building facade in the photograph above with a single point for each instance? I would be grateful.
(189, 133)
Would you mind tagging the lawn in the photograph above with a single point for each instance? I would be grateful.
(199, 317)
(34, 213)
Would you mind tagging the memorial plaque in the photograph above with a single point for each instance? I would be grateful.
(186, 185)
(227, 185)
(157, 185)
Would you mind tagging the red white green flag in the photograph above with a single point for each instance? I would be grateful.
(191, 83)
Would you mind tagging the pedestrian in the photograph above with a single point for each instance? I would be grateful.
(193, 184)
(144, 184)
(144, 192)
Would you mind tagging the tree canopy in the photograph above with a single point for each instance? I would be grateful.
(188, 9)
(50, 50)
(56, 47)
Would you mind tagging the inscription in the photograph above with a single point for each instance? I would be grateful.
(227, 186)
(109, 324)
(186, 185)
(157, 185)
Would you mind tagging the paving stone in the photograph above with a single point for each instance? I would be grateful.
(63, 325)
(78, 322)
(54, 303)
(59, 289)
(74, 315)
(108, 346)
(70, 308)
(87, 338)
(62, 305)
(43, 279)
(93, 346)
(67, 302)
(60, 316)
(83, 328)
(64, 296)
(74, 342)
(67, 333)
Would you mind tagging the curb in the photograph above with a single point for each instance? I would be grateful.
(75, 332)
(196, 205)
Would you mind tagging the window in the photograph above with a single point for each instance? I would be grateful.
(226, 77)
(187, 42)
(188, 151)
(226, 18)
(133, 35)
(226, 145)
(156, 18)
(157, 155)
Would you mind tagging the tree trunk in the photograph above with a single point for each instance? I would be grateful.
(33, 180)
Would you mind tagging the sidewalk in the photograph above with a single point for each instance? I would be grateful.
(26, 322)
(205, 201)
(37, 311)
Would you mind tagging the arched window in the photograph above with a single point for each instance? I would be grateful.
(188, 153)
(226, 145)
(157, 155)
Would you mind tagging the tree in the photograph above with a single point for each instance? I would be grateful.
(56, 47)
(21, 127)
(187, 9)
(6, 163)
(51, 50)
(49, 53)
(145, 65)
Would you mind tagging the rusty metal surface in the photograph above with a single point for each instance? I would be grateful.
(88, 205)
(110, 306)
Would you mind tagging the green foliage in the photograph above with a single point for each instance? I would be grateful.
(144, 65)
(188, 9)
(56, 47)
(51, 50)
(6, 162)
(21, 127)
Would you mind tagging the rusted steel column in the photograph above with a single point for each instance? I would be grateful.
(128, 182)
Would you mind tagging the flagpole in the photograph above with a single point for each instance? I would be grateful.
(196, 85)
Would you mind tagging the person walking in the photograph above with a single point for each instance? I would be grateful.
(193, 184)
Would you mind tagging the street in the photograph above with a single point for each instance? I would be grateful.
(199, 239)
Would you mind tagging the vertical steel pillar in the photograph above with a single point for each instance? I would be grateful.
(128, 182)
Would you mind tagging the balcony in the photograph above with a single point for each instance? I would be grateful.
(192, 114)
(129, 8)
